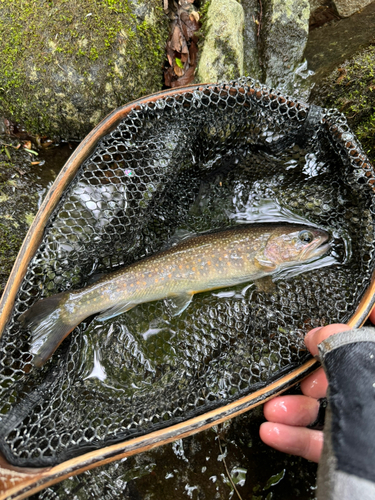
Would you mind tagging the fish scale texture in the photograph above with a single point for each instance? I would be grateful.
(204, 160)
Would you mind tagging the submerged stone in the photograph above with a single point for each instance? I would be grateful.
(221, 56)
(64, 65)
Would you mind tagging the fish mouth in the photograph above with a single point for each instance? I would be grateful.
(316, 248)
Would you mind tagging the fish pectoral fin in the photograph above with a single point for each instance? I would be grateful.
(178, 303)
(115, 311)
(265, 265)
(265, 284)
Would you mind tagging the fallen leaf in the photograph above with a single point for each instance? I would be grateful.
(189, 26)
(187, 78)
(181, 46)
(193, 51)
(175, 42)
(27, 144)
(194, 16)
(178, 71)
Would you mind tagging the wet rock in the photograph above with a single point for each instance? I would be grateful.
(322, 12)
(351, 89)
(221, 55)
(284, 31)
(346, 8)
(64, 65)
(332, 44)
(251, 38)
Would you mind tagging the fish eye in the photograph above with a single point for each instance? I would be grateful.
(306, 236)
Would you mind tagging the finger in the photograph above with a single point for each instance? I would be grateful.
(315, 385)
(317, 335)
(300, 441)
(292, 410)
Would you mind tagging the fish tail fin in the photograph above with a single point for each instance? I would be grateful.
(48, 327)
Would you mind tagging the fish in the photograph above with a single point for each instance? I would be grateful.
(200, 263)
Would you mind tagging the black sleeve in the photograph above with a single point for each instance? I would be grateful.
(347, 468)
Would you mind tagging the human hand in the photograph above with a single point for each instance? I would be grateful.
(288, 415)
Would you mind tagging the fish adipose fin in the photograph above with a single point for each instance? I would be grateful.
(115, 311)
(47, 327)
(178, 303)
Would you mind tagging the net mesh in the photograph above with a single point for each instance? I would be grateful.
(207, 159)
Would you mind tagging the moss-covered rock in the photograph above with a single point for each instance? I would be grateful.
(221, 56)
(351, 89)
(65, 64)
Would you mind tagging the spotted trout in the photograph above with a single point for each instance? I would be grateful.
(198, 264)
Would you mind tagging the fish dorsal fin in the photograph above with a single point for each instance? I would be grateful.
(265, 265)
(95, 278)
(115, 310)
(178, 303)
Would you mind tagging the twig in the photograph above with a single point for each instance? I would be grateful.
(226, 468)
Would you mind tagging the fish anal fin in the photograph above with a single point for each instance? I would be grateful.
(265, 265)
(115, 311)
(265, 284)
(178, 303)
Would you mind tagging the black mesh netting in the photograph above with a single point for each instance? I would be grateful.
(203, 160)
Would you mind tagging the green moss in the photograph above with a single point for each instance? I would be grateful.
(351, 89)
(56, 48)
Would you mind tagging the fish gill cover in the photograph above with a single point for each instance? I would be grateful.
(206, 159)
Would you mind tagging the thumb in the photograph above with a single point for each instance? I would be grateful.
(317, 335)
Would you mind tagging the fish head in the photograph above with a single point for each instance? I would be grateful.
(298, 244)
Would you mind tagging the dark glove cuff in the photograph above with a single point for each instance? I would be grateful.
(349, 361)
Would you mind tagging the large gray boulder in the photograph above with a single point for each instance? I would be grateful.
(251, 39)
(221, 54)
(263, 40)
(64, 65)
(285, 28)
